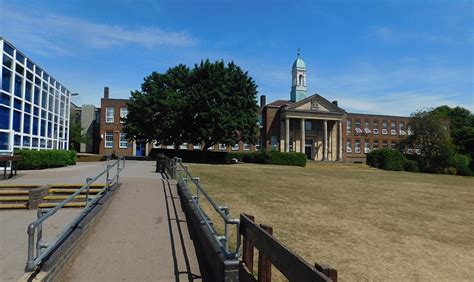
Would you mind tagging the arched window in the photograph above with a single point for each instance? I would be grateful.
(301, 80)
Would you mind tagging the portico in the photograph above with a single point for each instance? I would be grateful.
(312, 126)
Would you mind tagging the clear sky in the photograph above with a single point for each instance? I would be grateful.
(391, 57)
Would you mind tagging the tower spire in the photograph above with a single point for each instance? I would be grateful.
(298, 53)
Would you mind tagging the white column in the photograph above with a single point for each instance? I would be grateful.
(339, 148)
(302, 136)
(287, 134)
(325, 140)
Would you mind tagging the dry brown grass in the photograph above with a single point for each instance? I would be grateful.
(369, 224)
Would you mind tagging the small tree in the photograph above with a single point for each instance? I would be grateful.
(432, 139)
(76, 137)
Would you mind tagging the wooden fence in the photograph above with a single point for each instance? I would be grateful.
(272, 252)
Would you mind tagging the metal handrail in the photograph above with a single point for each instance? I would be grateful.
(43, 249)
(222, 211)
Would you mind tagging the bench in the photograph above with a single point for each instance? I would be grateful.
(9, 161)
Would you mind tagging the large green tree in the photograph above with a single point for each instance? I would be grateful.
(212, 103)
(159, 111)
(223, 103)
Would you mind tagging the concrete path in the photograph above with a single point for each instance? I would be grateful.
(142, 236)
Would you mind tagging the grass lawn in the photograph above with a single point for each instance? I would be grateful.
(367, 223)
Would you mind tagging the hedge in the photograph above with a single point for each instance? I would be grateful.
(32, 159)
(271, 157)
(192, 156)
(387, 159)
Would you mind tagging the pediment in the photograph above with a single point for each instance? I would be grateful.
(315, 103)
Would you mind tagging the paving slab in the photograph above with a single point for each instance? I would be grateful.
(142, 236)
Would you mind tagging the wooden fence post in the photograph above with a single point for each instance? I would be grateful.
(264, 264)
(326, 270)
(247, 254)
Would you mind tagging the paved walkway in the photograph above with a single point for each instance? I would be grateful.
(142, 236)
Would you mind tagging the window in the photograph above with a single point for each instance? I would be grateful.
(26, 123)
(301, 80)
(260, 121)
(376, 127)
(4, 118)
(222, 147)
(18, 82)
(169, 146)
(366, 147)
(246, 147)
(410, 132)
(235, 147)
(357, 146)
(123, 114)
(7, 48)
(6, 80)
(210, 148)
(109, 115)
(258, 146)
(357, 129)
(384, 144)
(308, 125)
(156, 145)
(348, 147)
(348, 126)
(7, 61)
(197, 147)
(393, 128)
(123, 141)
(402, 128)
(274, 141)
(367, 127)
(4, 141)
(384, 128)
(393, 145)
(109, 139)
(5, 99)
(376, 144)
(183, 146)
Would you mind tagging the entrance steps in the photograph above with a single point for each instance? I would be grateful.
(17, 196)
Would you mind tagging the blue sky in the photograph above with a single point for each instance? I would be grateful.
(390, 57)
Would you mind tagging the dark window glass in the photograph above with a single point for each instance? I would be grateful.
(56, 104)
(29, 64)
(50, 128)
(7, 61)
(37, 81)
(5, 99)
(17, 140)
(44, 98)
(43, 128)
(16, 121)
(50, 106)
(20, 57)
(6, 80)
(34, 142)
(17, 104)
(26, 141)
(7, 48)
(36, 98)
(42, 143)
(45, 76)
(35, 126)
(38, 71)
(52, 81)
(19, 69)
(50, 143)
(36, 111)
(4, 141)
(28, 91)
(27, 108)
(18, 82)
(43, 113)
(26, 123)
(4, 118)
(29, 75)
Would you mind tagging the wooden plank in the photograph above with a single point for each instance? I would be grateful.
(245, 275)
(247, 254)
(10, 158)
(328, 271)
(264, 265)
(288, 263)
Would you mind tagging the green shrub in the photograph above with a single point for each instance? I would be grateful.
(32, 159)
(411, 165)
(271, 157)
(450, 170)
(386, 159)
(461, 164)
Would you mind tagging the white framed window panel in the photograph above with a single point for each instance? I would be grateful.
(123, 144)
(109, 139)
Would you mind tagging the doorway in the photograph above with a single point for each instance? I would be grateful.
(140, 149)
(308, 148)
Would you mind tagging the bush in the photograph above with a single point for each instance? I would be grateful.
(461, 164)
(192, 156)
(271, 157)
(450, 170)
(386, 159)
(32, 159)
(411, 165)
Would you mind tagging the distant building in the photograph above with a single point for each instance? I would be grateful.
(321, 129)
(34, 107)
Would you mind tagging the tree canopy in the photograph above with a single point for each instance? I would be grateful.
(212, 103)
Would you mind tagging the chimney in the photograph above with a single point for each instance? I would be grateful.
(334, 102)
(106, 93)
(263, 100)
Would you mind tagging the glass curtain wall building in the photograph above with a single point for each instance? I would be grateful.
(34, 107)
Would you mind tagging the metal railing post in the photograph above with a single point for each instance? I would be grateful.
(30, 262)
(107, 178)
(88, 179)
(226, 229)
